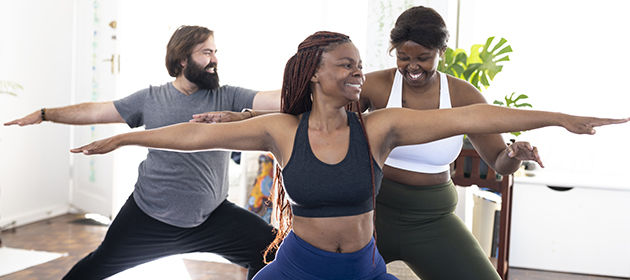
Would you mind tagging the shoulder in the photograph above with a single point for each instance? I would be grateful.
(163, 89)
(141, 94)
(282, 128)
(167, 87)
(279, 121)
(235, 90)
(282, 117)
(379, 80)
(377, 87)
(463, 93)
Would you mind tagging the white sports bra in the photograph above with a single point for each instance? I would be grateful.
(432, 157)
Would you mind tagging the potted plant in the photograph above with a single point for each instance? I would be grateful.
(479, 67)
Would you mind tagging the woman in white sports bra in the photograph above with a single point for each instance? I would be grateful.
(415, 222)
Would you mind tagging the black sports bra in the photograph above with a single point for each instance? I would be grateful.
(318, 189)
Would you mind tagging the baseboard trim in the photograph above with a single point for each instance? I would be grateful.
(11, 221)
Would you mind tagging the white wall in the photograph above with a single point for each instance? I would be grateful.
(569, 56)
(562, 58)
(254, 39)
(35, 51)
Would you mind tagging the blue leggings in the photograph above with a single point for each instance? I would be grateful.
(297, 259)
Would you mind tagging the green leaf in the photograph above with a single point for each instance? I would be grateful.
(522, 96)
(484, 80)
(505, 58)
(475, 80)
(474, 54)
(472, 68)
(504, 50)
(497, 102)
(461, 57)
(512, 95)
(487, 45)
(498, 45)
(458, 69)
(448, 54)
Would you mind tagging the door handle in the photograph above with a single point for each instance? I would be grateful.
(113, 60)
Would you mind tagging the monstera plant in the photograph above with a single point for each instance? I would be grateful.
(8, 87)
(480, 66)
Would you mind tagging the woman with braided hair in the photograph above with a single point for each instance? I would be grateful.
(331, 158)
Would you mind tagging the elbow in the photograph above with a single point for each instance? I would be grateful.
(505, 172)
(508, 167)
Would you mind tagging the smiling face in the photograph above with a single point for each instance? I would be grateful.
(417, 63)
(340, 72)
(201, 66)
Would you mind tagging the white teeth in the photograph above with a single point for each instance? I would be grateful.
(415, 76)
(354, 85)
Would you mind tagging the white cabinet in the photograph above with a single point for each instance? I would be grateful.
(581, 227)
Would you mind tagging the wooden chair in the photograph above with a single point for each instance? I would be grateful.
(500, 184)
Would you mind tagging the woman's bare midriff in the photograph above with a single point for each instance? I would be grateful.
(414, 178)
(345, 234)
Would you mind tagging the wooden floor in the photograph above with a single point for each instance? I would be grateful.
(62, 235)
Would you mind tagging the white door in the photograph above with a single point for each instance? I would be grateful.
(96, 74)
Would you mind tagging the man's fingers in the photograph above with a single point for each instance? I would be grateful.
(76, 150)
(86, 149)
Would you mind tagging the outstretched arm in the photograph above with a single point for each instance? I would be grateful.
(244, 135)
(265, 102)
(84, 113)
(414, 127)
(228, 116)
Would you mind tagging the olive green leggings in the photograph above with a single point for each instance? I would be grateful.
(417, 225)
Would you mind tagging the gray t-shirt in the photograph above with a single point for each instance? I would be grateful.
(180, 189)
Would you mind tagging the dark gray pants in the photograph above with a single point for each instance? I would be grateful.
(134, 238)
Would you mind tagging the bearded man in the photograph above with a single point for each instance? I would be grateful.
(179, 203)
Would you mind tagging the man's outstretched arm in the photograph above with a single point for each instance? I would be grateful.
(84, 113)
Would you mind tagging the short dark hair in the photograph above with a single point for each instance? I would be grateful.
(421, 25)
(181, 44)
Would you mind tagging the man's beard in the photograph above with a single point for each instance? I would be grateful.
(200, 77)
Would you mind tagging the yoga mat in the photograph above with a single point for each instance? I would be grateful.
(13, 260)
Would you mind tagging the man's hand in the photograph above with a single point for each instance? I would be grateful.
(221, 116)
(97, 147)
(32, 118)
